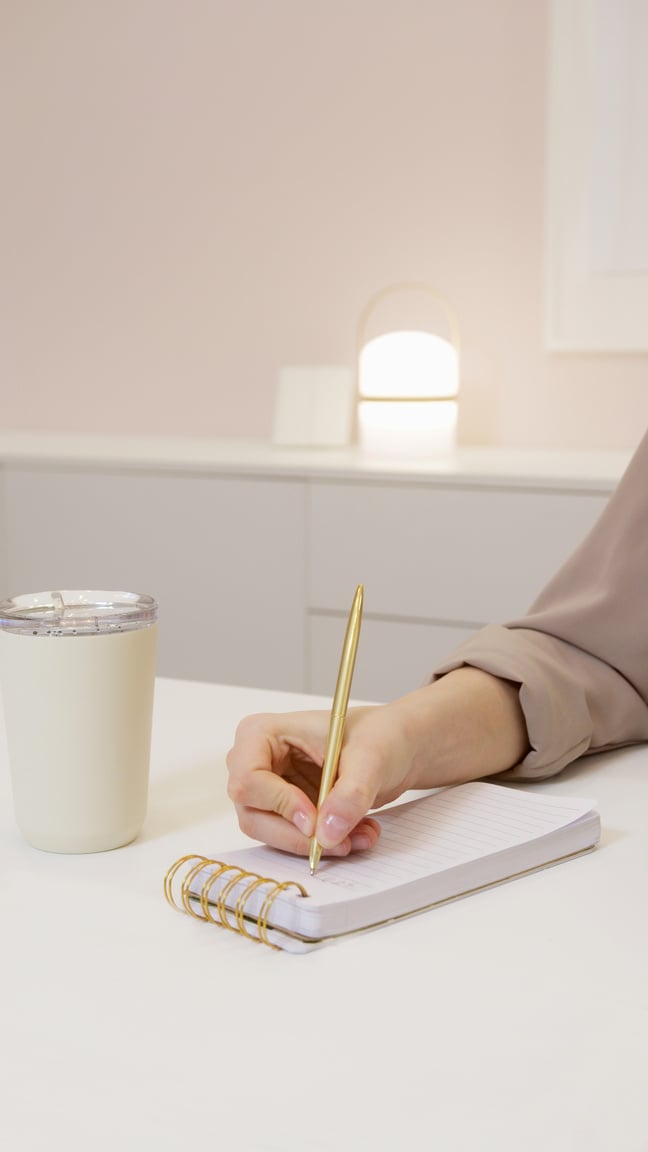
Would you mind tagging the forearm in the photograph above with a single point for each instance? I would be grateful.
(572, 702)
(466, 725)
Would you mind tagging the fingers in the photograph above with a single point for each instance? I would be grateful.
(274, 770)
(344, 809)
(363, 836)
(272, 829)
(360, 781)
(277, 813)
(270, 807)
(273, 811)
(264, 791)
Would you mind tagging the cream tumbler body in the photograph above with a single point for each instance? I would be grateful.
(78, 674)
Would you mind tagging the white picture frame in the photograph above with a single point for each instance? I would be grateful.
(596, 242)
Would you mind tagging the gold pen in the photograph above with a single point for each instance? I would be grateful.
(338, 714)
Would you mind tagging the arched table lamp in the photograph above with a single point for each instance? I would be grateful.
(408, 374)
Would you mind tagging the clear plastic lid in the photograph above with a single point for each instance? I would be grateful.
(80, 613)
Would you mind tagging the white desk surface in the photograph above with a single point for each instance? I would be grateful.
(516, 1019)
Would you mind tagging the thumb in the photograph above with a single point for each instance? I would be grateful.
(343, 808)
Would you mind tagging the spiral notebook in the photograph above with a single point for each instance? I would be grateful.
(436, 848)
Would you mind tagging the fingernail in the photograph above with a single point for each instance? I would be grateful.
(361, 842)
(332, 830)
(304, 822)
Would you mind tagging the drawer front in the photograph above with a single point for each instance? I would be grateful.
(393, 657)
(461, 555)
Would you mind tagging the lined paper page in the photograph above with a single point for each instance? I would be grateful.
(424, 837)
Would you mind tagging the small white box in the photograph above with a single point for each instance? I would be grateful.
(314, 406)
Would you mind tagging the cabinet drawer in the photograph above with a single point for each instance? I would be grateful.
(463, 555)
(394, 657)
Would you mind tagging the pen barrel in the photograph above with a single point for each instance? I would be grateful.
(347, 659)
(334, 744)
(341, 696)
(338, 712)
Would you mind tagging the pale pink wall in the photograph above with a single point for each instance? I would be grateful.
(196, 192)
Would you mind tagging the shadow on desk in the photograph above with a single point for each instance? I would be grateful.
(185, 798)
(619, 765)
(619, 761)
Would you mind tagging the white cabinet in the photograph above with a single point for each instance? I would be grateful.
(394, 656)
(444, 553)
(254, 553)
(213, 549)
(438, 560)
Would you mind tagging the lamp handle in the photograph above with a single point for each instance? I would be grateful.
(393, 290)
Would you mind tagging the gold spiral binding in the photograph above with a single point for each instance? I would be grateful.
(219, 868)
(172, 872)
(221, 919)
(258, 882)
(262, 922)
(186, 895)
(221, 900)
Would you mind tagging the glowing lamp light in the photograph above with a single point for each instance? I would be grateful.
(408, 366)
(408, 383)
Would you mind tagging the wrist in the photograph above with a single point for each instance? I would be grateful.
(465, 725)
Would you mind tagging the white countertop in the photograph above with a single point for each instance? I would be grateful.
(515, 1020)
(580, 470)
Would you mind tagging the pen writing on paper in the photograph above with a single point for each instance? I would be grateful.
(338, 714)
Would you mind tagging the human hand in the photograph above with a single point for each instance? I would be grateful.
(275, 769)
(467, 725)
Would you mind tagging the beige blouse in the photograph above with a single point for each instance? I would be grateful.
(580, 656)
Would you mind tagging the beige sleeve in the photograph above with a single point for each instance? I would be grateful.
(581, 654)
